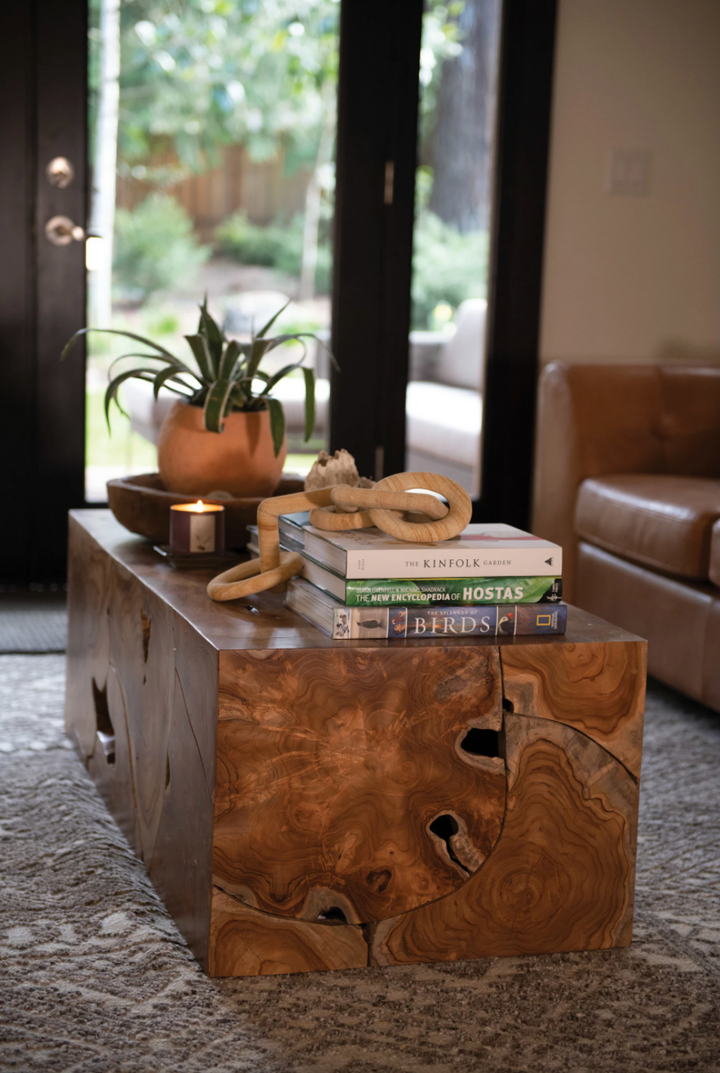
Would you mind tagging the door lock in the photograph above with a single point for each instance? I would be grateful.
(61, 231)
(60, 172)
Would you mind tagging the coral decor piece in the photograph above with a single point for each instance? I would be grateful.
(330, 470)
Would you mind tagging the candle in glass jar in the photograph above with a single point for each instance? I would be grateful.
(197, 529)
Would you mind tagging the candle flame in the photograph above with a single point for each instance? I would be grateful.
(199, 506)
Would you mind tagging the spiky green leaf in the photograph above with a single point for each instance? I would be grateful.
(260, 348)
(330, 354)
(271, 381)
(277, 424)
(216, 404)
(229, 361)
(215, 338)
(278, 340)
(273, 318)
(175, 365)
(112, 388)
(115, 331)
(309, 402)
(161, 380)
(199, 346)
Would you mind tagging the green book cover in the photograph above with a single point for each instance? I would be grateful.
(424, 592)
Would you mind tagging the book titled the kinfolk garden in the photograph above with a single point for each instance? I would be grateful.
(483, 550)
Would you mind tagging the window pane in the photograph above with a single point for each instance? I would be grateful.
(458, 89)
(212, 154)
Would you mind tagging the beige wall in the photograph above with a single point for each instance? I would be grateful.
(627, 277)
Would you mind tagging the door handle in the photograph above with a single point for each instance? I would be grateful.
(61, 231)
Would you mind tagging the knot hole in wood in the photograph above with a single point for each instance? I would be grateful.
(104, 730)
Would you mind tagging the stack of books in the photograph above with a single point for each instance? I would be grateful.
(491, 580)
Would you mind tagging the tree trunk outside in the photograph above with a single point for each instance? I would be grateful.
(461, 148)
(312, 202)
(102, 212)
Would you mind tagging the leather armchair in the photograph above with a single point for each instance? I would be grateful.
(627, 472)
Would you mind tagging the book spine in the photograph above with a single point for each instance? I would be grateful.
(425, 592)
(434, 563)
(491, 620)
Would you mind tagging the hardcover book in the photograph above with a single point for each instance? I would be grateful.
(422, 592)
(481, 550)
(490, 620)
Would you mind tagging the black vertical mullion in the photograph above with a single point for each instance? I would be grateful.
(399, 218)
(377, 125)
(17, 367)
(516, 256)
(59, 428)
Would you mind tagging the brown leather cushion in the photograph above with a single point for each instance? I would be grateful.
(715, 554)
(659, 520)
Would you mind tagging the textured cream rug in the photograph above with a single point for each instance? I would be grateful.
(95, 977)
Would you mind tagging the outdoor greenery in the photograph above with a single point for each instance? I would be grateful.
(226, 376)
(447, 267)
(155, 247)
(199, 74)
(278, 245)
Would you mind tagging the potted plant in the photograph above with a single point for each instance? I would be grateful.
(228, 432)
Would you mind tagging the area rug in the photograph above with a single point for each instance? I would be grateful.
(94, 975)
(32, 622)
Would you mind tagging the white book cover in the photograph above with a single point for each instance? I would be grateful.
(481, 550)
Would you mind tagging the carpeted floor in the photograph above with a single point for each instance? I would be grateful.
(95, 977)
(33, 621)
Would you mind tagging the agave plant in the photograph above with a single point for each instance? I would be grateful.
(228, 373)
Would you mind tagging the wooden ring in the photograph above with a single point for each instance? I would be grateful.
(247, 578)
(453, 523)
(327, 518)
(347, 498)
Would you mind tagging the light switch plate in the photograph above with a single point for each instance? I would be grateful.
(629, 172)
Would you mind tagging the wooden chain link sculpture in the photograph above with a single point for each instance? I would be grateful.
(343, 507)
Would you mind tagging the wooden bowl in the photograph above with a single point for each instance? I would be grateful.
(142, 504)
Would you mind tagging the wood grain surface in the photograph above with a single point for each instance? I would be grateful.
(597, 687)
(332, 767)
(141, 708)
(302, 804)
(244, 942)
(561, 875)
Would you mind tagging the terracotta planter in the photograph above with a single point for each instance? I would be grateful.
(239, 460)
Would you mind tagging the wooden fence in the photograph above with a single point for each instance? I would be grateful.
(260, 190)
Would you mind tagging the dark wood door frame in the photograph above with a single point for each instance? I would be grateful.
(372, 259)
(527, 46)
(42, 287)
(377, 123)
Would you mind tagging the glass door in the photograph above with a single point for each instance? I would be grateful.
(453, 195)
(212, 141)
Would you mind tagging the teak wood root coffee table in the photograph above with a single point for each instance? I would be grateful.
(302, 803)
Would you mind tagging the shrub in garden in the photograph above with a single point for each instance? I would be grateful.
(277, 245)
(155, 247)
(448, 267)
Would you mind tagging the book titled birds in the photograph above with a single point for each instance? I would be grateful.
(491, 580)
(487, 620)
